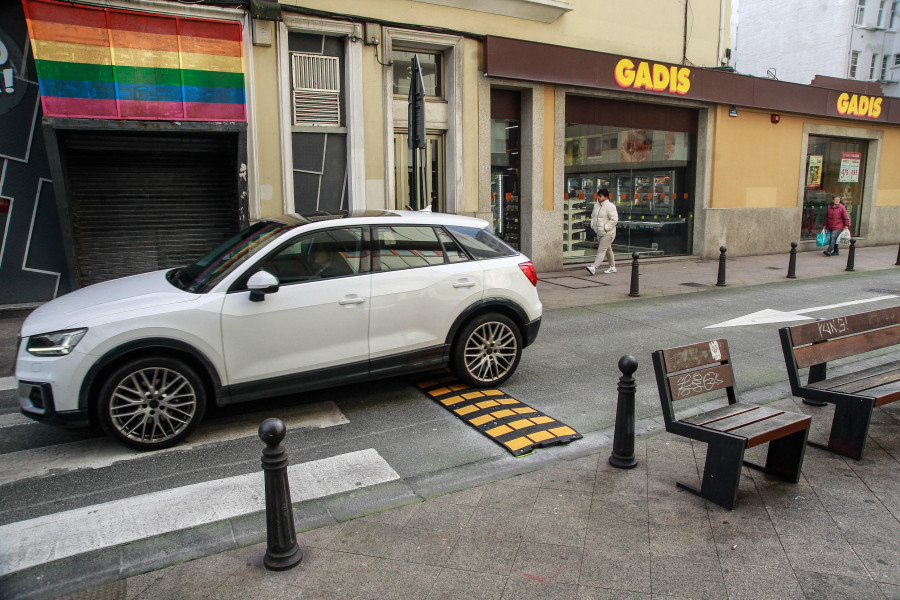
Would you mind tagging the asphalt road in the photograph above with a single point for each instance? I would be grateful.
(570, 374)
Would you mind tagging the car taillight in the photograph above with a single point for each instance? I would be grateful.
(530, 273)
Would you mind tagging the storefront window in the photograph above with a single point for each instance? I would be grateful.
(834, 166)
(649, 173)
(506, 112)
(505, 180)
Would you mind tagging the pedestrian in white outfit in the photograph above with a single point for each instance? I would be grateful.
(603, 221)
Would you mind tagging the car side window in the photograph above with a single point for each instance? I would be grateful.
(407, 247)
(451, 248)
(480, 243)
(319, 255)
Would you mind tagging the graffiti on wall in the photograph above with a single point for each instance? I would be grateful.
(32, 260)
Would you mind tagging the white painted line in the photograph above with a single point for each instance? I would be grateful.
(841, 304)
(762, 316)
(96, 453)
(37, 541)
(11, 419)
(7, 383)
(769, 315)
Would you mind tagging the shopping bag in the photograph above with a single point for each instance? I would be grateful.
(822, 239)
(844, 238)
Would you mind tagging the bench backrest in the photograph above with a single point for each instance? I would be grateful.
(830, 339)
(692, 370)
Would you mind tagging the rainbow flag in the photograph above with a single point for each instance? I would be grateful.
(115, 64)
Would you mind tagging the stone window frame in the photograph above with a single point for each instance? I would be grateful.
(445, 115)
(352, 35)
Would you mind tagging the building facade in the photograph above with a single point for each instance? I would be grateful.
(797, 40)
(191, 120)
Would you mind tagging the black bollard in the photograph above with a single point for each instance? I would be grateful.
(792, 265)
(898, 255)
(722, 259)
(623, 439)
(851, 255)
(282, 552)
(635, 275)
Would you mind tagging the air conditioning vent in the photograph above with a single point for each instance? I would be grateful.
(316, 87)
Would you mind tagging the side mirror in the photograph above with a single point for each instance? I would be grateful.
(260, 284)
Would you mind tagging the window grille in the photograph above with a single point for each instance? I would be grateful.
(872, 67)
(316, 89)
(884, 64)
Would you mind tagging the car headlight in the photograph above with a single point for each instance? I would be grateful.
(57, 343)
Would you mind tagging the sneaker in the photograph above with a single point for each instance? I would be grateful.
(591, 269)
(826, 253)
(610, 270)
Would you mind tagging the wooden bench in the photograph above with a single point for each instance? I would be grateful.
(854, 395)
(729, 430)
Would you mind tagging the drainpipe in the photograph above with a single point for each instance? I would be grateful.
(720, 56)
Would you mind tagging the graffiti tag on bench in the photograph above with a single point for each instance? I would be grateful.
(697, 383)
(832, 326)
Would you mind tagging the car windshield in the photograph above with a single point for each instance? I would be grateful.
(201, 276)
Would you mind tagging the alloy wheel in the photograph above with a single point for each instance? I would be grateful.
(491, 351)
(152, 405)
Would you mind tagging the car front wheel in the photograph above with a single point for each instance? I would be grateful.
(151, 403)
(487, 351)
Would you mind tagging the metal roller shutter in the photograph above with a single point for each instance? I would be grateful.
(147, 201)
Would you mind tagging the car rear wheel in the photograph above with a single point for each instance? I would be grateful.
(487, 351)
(151, 403)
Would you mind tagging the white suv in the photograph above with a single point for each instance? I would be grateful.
(289, 304)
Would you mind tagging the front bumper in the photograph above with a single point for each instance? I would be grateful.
(36, 402)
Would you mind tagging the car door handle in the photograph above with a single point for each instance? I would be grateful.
(352, 300)
(464, 283)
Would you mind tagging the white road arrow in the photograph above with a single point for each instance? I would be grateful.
(769, 315)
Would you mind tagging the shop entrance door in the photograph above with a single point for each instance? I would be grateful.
(431, 172)
(834, 167)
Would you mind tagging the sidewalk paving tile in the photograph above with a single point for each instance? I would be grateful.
(453, 584)
(836, 587)
(749, 582)
(549, 563)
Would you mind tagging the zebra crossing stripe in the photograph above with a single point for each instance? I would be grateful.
(73, 532)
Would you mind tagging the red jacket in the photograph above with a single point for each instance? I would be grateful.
(837, 217)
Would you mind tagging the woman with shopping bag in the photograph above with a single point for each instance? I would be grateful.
(836, 221)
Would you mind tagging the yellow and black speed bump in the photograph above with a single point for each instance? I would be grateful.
(515, 426)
